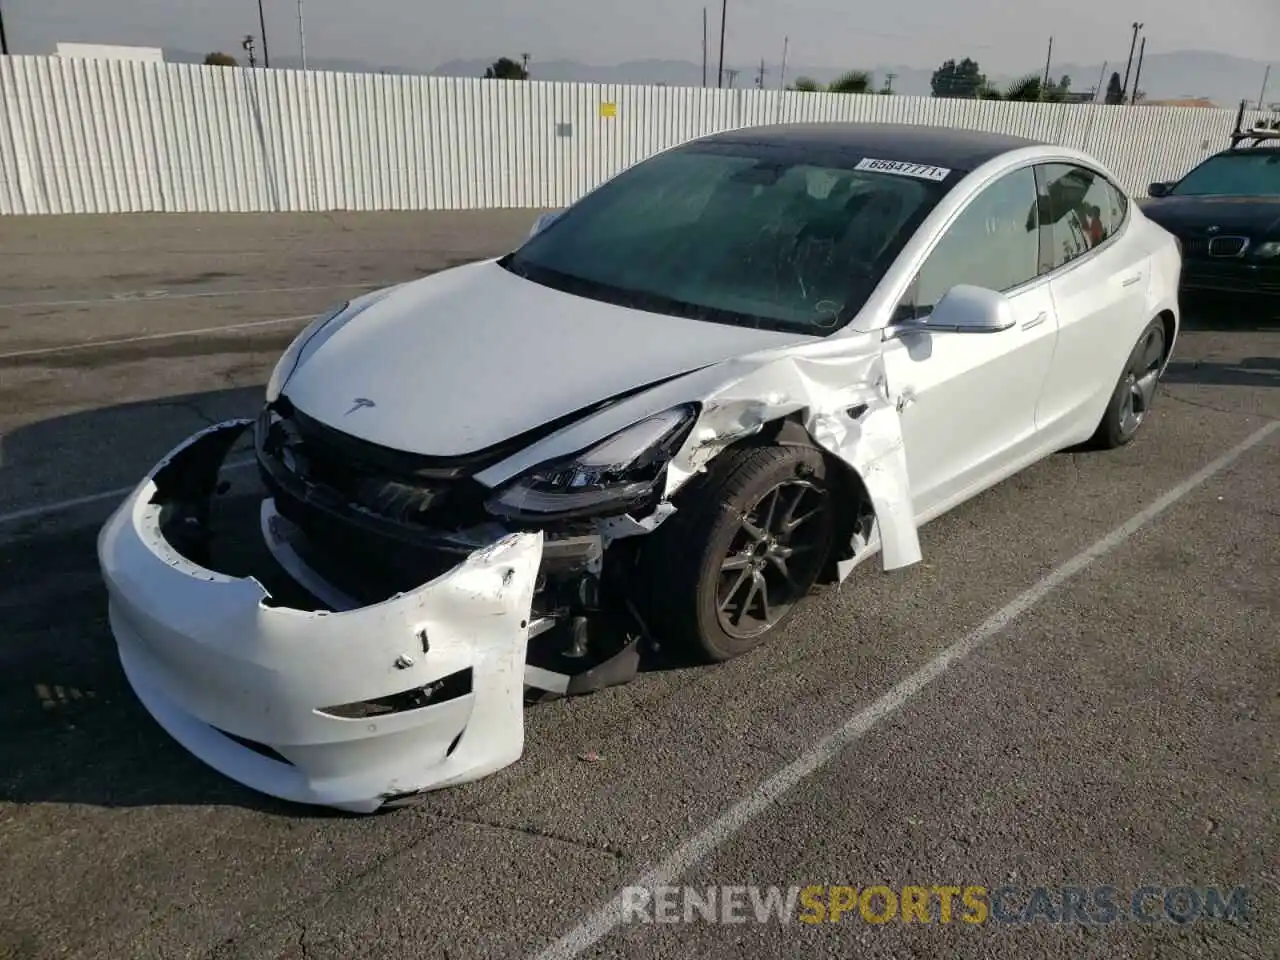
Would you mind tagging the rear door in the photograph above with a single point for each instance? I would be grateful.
(969, 398)
(1098, 272)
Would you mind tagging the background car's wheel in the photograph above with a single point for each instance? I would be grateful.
(745, 546)
(1136, 391)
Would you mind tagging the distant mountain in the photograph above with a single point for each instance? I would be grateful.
(334, 64)
(1182, 74)
(1185, 73)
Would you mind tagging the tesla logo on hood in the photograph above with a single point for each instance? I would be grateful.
(1214, 229)
(359, 403)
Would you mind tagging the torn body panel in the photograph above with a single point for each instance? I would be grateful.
(844, 404)
(838, 390)
(345, 708)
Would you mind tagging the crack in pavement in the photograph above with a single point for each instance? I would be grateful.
(1208, 406)
(191, 407)
(531, 831)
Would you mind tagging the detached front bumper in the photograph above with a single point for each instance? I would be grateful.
(345, 709)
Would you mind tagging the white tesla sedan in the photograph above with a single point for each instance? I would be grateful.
(737, 369)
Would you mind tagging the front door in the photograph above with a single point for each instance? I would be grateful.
(969, 399)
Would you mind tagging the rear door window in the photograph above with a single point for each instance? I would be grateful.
(1079, 211)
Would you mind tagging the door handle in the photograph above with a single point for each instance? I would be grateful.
(1040, 318)
(1130, 281)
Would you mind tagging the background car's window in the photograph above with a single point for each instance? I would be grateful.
(1233, 175)
(735, 236)
(1079, 210)
(991, 244)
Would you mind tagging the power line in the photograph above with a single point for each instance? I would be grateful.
(262, 28)
(1128, 67)
(302, 37)
(4, 41)
(724, 13)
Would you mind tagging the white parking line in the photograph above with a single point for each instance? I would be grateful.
(90, 344)
(148, 296)
(48, 509)
(697, 848)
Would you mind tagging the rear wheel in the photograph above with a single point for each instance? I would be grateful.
(1134, 394)
(744, 548)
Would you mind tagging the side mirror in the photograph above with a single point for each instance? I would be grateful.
(963, 309)
(544, 221)
(1159, 189)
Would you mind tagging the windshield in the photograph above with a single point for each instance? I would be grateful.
(733, 235)
(1243, 174)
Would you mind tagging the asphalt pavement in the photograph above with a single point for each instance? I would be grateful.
(1078, 687)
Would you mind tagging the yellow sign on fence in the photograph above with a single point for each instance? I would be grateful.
(608, 109)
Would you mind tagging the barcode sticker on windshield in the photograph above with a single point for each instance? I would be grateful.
(922, 171)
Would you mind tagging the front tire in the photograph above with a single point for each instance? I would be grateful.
(745, 546)
(1135, 392)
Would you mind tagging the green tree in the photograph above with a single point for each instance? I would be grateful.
(851, 81)
(220, 60)
(504, 68)
(1115, 90)
(963, 79)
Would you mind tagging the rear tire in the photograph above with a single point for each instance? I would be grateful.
(1135, 392)
(745, 546)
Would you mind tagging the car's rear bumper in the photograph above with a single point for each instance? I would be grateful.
(345, 709)
(1231, 276)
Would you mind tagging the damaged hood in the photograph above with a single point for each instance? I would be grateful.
(470, 357)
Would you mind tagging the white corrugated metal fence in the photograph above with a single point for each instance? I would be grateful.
(112, 136)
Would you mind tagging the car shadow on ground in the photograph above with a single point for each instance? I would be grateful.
(1230, 313)
(71, 730)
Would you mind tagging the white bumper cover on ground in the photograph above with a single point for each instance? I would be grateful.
(216, 666)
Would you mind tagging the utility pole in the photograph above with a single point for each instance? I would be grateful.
(1262, 94)
(302, 36)
(1132, 44)
(262, 26)
(248, 46)
(1101, 79)
(704, 46)
(1137, 75)
(733, 75)
(524, 64)
(760, 76)
(4, 41)
(724, 13)
(888, 82)
(782, 74)
(1044, 84)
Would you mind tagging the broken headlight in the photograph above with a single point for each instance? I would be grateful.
(621, 473)
(288, 361)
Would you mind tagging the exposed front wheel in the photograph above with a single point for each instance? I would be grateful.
(746, 545)
(1133, 396)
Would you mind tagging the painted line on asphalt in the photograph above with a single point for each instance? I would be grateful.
(697, 848)
(142, 337)
(161, 295)
(48, 509)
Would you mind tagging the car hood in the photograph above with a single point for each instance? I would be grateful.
(473, 356)
(1246, 216)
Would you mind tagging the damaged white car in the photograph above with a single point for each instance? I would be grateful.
(735, 370)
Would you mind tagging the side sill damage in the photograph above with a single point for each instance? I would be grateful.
(340, 707)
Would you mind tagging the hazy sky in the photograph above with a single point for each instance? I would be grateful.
(1002, 35)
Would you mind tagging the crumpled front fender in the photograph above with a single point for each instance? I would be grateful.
(844, 403)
